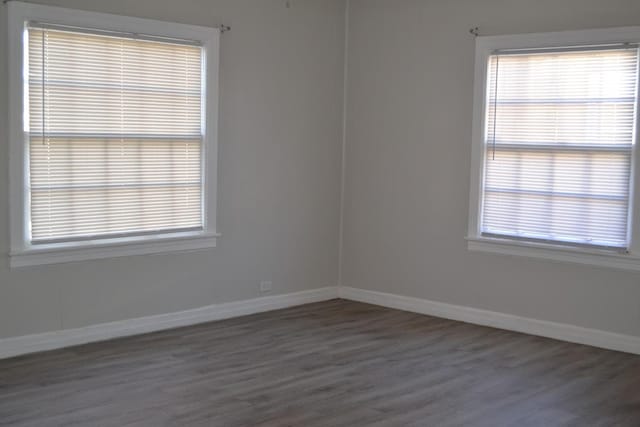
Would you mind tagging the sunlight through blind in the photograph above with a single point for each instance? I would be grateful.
(559, 139)
(115, 135)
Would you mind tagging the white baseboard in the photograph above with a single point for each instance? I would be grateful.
(15, 346)
(65, 338)
(559, 331)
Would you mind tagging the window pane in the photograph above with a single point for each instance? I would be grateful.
(559, 143)
(566, 195)
(122, 142)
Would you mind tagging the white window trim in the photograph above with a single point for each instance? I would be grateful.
(563, 253)
(22, 253)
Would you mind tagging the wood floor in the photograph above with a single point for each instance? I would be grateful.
(336, 363)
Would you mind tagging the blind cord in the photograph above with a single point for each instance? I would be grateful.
(43, 88)
(495, 107)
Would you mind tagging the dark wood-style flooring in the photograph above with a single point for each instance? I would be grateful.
(336, 363)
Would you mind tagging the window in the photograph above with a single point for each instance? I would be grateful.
(117, 139)
(554, 144)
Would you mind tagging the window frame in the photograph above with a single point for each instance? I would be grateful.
(22, 252)
(484, 47)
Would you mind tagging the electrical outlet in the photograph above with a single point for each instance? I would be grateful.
(265, 286)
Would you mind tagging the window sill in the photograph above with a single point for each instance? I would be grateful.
(112, 248)
(595, 257)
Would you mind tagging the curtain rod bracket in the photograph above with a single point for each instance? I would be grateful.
(475, 31)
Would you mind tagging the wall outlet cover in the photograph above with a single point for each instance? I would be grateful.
(266, 286)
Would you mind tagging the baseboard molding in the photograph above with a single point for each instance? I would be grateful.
(16, 346)
(559, 331)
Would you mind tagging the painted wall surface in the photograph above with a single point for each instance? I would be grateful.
(408, 159)
(409, 114)
(280, 139)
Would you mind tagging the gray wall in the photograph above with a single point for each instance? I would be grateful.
(408, 161)
(279, 175)
(408, 153)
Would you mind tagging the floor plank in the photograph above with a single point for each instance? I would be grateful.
(336, 363)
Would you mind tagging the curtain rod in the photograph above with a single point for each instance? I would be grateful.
(223, 28)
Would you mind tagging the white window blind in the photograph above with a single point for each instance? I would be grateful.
(115, 135)
(559, 138)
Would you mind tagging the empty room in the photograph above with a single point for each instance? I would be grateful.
(340, 213)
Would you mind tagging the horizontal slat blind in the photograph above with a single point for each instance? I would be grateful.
(560, 128)
(115, 139)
